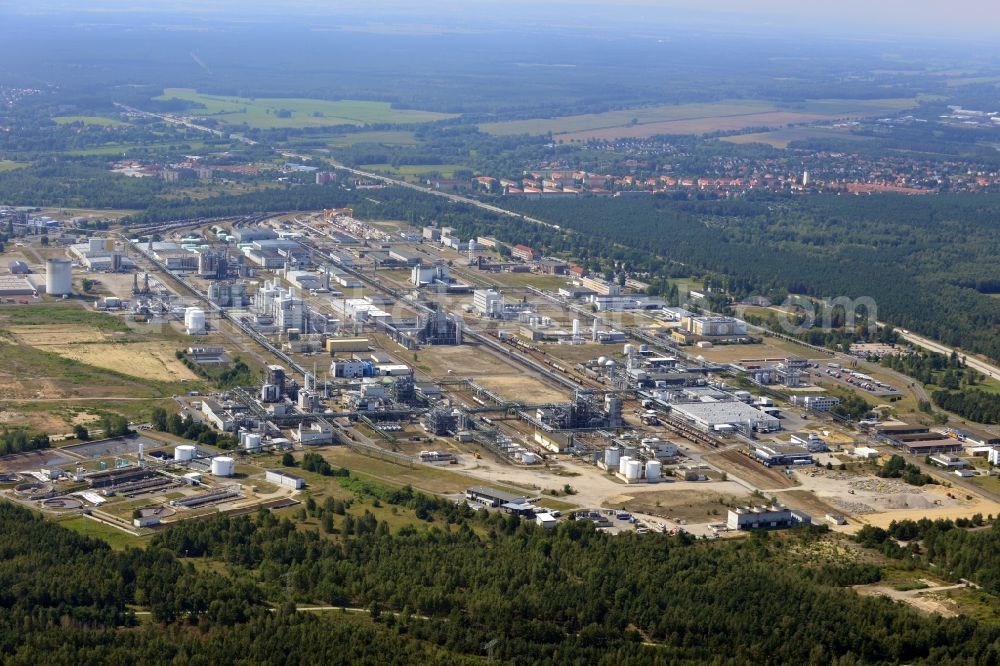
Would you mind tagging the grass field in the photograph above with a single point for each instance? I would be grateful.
(264, 113)
(10, 165)
(115, 538)
(100, 121)
(694, 118)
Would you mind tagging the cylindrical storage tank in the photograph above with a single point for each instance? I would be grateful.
(194, 321)
(623, 463)
(601, 360)
(611, 457)
(629, 350)
(185, 452)
(576, 328)
(633, 469)
(252, 441)
(643, 348)
(223, 466)
(653, 468)
(58, 277)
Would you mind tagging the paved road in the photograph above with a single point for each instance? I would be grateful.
(987, 369)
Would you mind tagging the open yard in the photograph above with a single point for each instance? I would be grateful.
(264, 113)
(782, 137)
(681, 505)
(487, 368)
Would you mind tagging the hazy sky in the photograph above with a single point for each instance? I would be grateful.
(973, 19)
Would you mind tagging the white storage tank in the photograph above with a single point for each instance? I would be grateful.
(252, 441)
(623, 464)
(194, 321)
(629, 350)
(529, 458)
(601, 360)
(653, 468)
(185, 452)
(633, 469)
(223, 466)
(58, 277)
(611, 457)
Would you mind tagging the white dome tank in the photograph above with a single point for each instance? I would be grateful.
(602, 360)
(185, 452)
(194, 321)
(653, 468)
(633, 469)
(58, 277)
(223, 466)
(623, 463)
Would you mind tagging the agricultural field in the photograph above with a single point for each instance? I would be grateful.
(694, 118)
(783, 137)
(383, 137)
(99, 121)
(269, 113)
(10, 165)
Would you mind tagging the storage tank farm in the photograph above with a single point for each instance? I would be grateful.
(58, 277)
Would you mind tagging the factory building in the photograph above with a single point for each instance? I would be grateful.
(761, 517)
(492, 497)
(816, 403)
(228, 294)
(488, 303)
(773, 454)
(728, 416)
(423, 275)
(709, 327)
(525, 253)
(600, 287)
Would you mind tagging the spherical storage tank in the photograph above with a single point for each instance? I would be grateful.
(633, 469)
(611, 457)
(58, 277)
(623, 464)
(223, 466)
(184, 452)
(653, 468)
(601, 360)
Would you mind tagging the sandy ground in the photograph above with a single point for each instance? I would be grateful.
(928, 599)
(152, 360)
(489, 370)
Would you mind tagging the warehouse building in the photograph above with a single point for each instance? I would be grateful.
(773, 454)
(281, 478)
(764, 517)
(726, 416)
(492, 497)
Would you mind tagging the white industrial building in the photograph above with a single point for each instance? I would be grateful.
(281, 478)
(426, 274)
(816, 403)
(722, 416)
(488, 303)
(761, 517)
